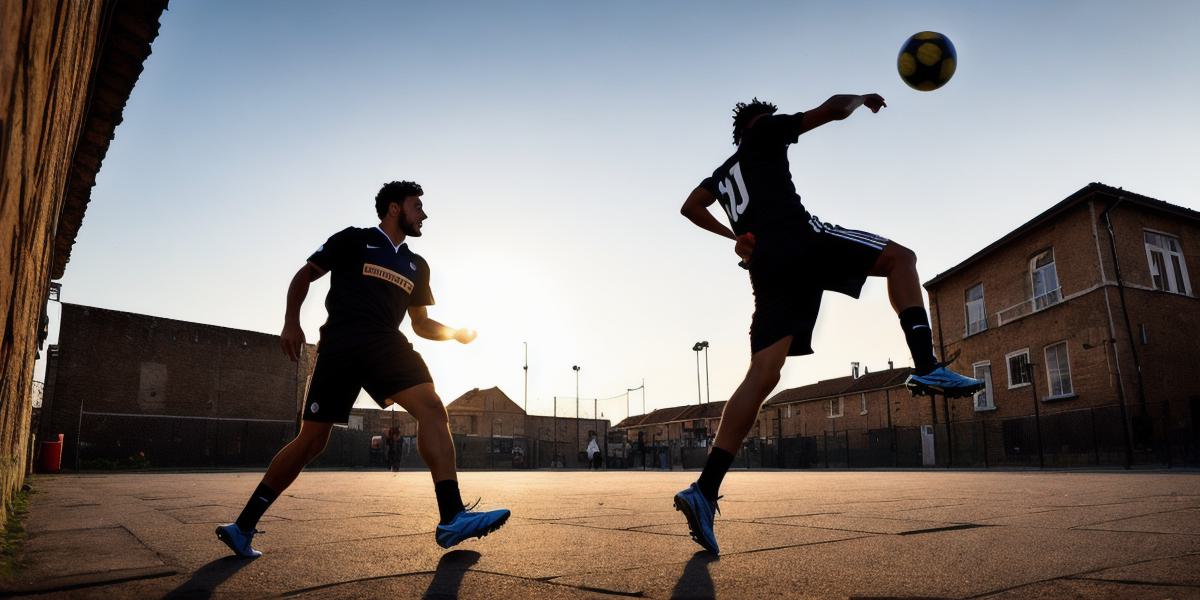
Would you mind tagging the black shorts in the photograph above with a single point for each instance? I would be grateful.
(382, 366)
(790, 271)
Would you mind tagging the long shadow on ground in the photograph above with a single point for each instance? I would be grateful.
(206, 579)
(449, 574)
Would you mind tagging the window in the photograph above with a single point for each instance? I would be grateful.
(833, 408)
(1018, 368)
(1167, 267)
(1058, 370)
(984, 398)
(862, 401)
(976, 313)
(1045, 280)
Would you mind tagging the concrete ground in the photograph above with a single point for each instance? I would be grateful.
(928, 534)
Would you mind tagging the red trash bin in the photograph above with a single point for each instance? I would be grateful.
(51, 461)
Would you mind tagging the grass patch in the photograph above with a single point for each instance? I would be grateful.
(13, 540)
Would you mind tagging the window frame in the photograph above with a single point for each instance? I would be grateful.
(1069, 393)
(1008, 367)
(982, 309)
(988, 387)
(829, 408)
(1053, 296)
(1186, 288)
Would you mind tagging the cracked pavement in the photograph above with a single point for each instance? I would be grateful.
(811, 534)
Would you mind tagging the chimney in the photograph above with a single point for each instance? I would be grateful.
(866, 369)
(854, 370)
(890, 365)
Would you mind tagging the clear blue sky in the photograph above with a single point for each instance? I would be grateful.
(556, 142)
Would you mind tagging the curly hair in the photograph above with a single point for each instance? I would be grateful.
(744, 113)
(395, 191)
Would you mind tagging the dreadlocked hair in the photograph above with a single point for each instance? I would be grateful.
(395, 191)
(743, 113)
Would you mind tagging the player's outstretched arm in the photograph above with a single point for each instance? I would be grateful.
(292, 337)
(839, 107)
(695, 208)
(432, 330)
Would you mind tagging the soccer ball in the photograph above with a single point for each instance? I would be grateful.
(927, 61)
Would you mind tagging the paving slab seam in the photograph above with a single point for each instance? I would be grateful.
(90, 580)
(1161, 512)
(1138, 582)
(547, 581)
(1079, 575)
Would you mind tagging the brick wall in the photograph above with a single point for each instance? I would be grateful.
(46, 55)
(123, 363)
(1091, 320)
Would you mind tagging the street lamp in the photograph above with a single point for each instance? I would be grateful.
(576, 369)
(697, 347)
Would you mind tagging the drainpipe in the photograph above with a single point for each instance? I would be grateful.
(1137, 366)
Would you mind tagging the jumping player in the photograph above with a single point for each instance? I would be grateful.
(793, 257)
(376, 279)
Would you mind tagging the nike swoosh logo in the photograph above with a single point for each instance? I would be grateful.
(919, 326)
(370, 247)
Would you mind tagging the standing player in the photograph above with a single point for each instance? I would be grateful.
(793, 258)
(376, 278)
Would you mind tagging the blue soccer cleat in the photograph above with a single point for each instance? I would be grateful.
(943, 381)
(470, 524)
(700, 514)
(238, 540)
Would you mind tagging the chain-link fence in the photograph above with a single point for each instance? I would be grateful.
(1087, 437)
(1105, 436)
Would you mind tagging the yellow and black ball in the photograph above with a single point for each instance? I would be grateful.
(927, 61)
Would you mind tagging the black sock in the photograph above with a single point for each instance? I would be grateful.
(714, 471)
(449, 501)
(915, 322)
(260, 501)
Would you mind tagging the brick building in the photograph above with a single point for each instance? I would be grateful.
(1086, 315)
(488, 412)
(67, 69)
(165, 392)
(854, 420)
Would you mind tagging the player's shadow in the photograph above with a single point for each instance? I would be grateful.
(206, 579)
(695, 583)
(449, 574)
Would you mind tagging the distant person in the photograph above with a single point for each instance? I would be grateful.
(593, 452)
(376, 279)
(396, 449)
(793, 257)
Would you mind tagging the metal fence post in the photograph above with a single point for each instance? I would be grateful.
(1037, 415)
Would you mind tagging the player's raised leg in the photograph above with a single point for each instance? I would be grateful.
(899, 265)
(699, 501)
(436, 447)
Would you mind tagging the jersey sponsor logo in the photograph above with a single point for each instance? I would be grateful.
(388, 275)
(736, 197)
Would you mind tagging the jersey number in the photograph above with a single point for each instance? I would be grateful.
(738, 198)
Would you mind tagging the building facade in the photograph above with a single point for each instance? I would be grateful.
(1085, 316)
(139, 390)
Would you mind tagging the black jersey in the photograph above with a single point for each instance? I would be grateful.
(374, 283)
(754, 186)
